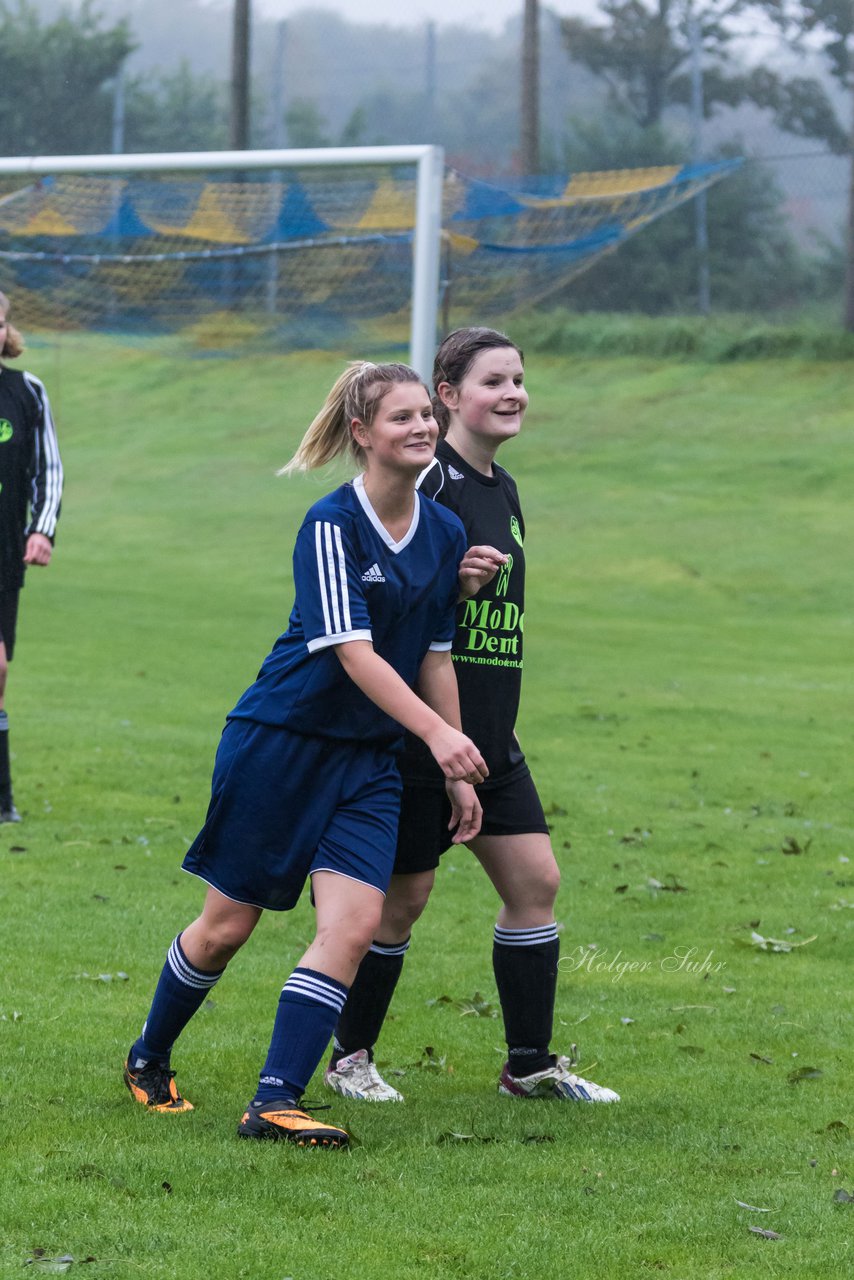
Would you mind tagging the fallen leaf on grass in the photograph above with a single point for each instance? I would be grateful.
(790, 846)
(53, 1266)
(781, 945)
(103, 977)
(751, 1207)
(477, 1006)
(757, 1057)
(429, 1061)
(836, 1126)
(538, 1137)
(766, 1235)
(450, 1136)
(800, 1074)
(672, 885)
(841, 1196)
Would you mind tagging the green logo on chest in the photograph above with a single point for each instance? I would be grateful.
(515, 530)
(6, 431)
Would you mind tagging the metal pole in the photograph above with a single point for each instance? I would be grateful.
(277, 138)
(530, 103)
(425, 260)
(430, 80)
(118, 138)
(701, 225)
(239, 128)
(199, 161)
(277, 87)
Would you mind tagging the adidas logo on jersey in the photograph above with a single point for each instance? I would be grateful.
(374, 574)
(454, 474)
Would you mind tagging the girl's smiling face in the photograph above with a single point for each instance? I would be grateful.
(491, 400)
(403, 433)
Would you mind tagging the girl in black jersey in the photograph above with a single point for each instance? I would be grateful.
(480, 401)
(30, 493)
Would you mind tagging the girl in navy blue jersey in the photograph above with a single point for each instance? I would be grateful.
(305, 781)
(480, 403)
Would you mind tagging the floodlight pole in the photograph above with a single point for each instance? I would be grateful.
(429, 162)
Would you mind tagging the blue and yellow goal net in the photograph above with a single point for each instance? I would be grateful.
(319, 258)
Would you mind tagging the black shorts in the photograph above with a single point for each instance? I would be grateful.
(512, 808)
(8, 620)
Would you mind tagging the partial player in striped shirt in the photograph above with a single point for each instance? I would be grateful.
(305, 782)
(30, 495)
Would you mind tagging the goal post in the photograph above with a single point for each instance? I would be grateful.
(426, 239)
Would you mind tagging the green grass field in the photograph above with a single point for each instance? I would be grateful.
(688, 715)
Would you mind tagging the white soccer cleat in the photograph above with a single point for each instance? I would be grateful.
(557, 1081)
(357, 1077)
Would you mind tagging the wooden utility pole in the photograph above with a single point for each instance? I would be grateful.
(530, 113)
(239, 116)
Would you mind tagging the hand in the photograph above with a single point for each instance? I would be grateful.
(456, 755)
(478, 566)
(39, 549)
(466, 811)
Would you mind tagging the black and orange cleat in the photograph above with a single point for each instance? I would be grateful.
(285, 1122)
(153, 1085)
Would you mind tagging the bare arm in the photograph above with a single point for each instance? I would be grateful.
(455, 754)
(437, 684)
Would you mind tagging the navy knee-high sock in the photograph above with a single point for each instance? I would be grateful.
(309, 1006)
(525, 965)
(370, 996)
(181, 990)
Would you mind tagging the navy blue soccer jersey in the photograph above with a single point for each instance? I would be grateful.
(354, 582)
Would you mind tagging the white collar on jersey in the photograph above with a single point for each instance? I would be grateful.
(359, 486)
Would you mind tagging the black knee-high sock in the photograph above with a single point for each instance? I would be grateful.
(525, 966)
(363, 1015)
(5, 774)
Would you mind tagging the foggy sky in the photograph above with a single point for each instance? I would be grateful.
(488, 14)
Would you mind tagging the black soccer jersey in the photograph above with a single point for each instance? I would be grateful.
(487, 647)
(30, 471)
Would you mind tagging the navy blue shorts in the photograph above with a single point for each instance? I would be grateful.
(511, 808)
(283, 806)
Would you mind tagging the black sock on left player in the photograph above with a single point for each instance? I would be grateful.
(525, 965)
(5, 771)
(370, 996)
